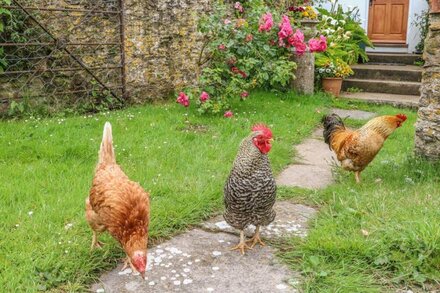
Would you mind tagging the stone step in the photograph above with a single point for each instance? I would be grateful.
(387, 72)
(393, 58)
(383, 86)
(407, 101)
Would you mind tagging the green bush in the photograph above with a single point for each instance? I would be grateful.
(239, 57)
(346, 38)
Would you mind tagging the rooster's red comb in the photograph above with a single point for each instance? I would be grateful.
(264, 129)
(401, 117)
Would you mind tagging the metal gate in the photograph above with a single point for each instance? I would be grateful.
(63, 52)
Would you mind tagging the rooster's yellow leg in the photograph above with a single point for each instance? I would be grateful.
(95, 242)
(256, 238)
(242, 245)
(357, 175)
(127, 262)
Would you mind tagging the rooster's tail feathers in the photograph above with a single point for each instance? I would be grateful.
(331, 123)
(106, 152)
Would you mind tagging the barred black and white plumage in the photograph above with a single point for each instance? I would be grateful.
(250, 190)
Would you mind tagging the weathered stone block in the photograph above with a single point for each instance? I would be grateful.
(427, 140)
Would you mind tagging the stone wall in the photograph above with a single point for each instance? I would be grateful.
(428, 123)
(162, 46)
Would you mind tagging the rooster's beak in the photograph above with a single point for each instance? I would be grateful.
(143, 275)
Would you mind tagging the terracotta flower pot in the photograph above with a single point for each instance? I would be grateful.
(332, 85)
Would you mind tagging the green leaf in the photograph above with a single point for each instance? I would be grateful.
(418, 277)
(314, 260)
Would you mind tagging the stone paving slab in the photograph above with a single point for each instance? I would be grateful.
(291, 220)
(200, 260)
(354, 114)
(306, 176)
(314, 152)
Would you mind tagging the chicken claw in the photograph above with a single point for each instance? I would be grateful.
(256, 238)
(128, 262)
(242, 245)
(95, 242)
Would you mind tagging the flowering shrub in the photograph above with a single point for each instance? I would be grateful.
(241, 54)
(346, 38)
(247, 47)
(346, 41)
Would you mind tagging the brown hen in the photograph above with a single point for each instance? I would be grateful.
(355, 149)
(119, 206)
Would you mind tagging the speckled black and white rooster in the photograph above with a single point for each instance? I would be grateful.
(250, 190)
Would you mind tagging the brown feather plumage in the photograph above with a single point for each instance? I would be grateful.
(117, 204)
(355, 149)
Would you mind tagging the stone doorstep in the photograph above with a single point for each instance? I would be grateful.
(388, 72)
(383, 86)
(410, 101)
(200, 260)
(393, 58)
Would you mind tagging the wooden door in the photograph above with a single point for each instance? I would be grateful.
(388, 21)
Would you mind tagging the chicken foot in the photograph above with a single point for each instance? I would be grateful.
(95, 242)
(256, 238)
(127, 262)
(242, 245)
(357, 175)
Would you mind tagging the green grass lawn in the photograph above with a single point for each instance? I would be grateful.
(377, 236)
(47, 166)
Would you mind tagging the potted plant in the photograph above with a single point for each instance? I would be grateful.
(332, 72)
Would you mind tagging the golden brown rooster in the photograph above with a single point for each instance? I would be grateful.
(355, 149)
(119, 206)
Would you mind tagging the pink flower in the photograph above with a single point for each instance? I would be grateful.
(285, 30)
(266, 22)
(227, 21)
(244, 95)
(238, 71)
(204, 97)
(222, 47)
(296, 39)
(300, 48)
(238, 6)
(183, 99)
(228, 114)
(249, 38)
(316, 45)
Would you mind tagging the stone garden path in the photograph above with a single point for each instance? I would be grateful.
(199, 260)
